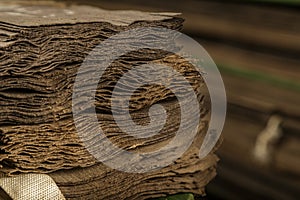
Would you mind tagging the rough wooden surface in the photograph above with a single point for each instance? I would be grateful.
(40, 55)
(256, 47)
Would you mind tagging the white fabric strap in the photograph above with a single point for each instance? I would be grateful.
(31, 187)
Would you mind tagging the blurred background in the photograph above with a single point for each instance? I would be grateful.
(256, 46)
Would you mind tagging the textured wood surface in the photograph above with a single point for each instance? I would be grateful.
(256, 47)
(41, 49)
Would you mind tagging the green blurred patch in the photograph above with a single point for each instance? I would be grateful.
(261, 77)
